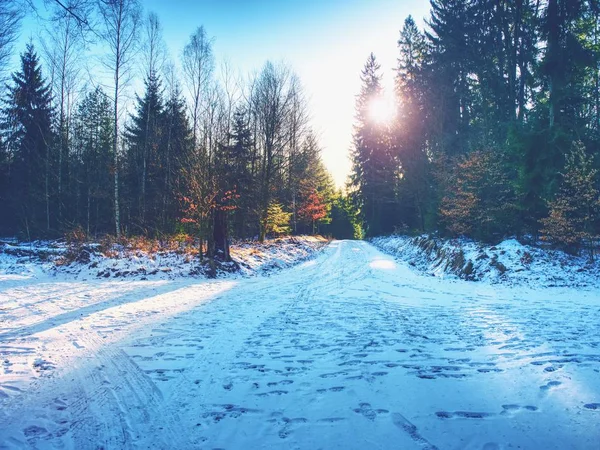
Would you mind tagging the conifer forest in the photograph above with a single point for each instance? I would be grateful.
(494, 133)
(300, 224)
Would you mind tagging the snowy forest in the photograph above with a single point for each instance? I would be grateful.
(497, 126)
(494, 132)
(201, 151)
(300, 224)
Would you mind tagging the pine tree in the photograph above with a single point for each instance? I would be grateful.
(28, 137)
(411, 130)
(481, 202)
(177, 144)
(145, 155)
(451, 23)
(374, 168)
(575, 211)
(308, 177)
(236, 175)
(91, 193)
(344, 222)
(564, 58)
(278, 220)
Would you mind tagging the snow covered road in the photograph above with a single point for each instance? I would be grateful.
(351, 350)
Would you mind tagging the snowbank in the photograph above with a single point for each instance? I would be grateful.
(508, 262)
(88, 261)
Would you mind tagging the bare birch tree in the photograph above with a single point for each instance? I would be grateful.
(154, 50)
(272, 99)
(198, 66)
(64, 44)
(10, 19)
(120, 21)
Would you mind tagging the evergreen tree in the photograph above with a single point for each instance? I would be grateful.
(344, 222)
(145, 156)
(374, 167)
(575, 211)
(451, 23)
(309, 177)
(411, 130)
(91, 193)
(28, 147)
(177, 145)
(481, 202)
(236, 175)
(278, 220)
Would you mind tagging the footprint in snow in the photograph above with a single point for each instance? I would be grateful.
(491, 446)
(34, 431)
(506, 409)
(59, 405)
(276, 383)
(368, 412)
(276, 392)
(592, 406)
(551, 384)
(463, 415)
(331, 419)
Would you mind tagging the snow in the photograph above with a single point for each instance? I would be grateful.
(47, 257)
(349, 350)
(509, 262)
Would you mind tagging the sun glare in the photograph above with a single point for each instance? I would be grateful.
(382, 110)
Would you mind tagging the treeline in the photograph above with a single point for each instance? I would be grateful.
(201, 151)
(497, 126)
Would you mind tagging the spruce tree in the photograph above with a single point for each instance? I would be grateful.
(278, 220)
(372, 178)
(28, 141)
(145, 155)
(177, 145)
(90, 194)
(450, 24)
(574, 212)
(481, 201)
(236, 175)
(411, 130)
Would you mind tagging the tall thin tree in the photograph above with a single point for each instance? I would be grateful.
(120, 27)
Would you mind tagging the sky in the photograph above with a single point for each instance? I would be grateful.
(326, 42)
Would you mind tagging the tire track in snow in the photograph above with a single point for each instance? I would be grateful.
(228, 321)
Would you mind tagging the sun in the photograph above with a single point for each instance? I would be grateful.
(382, 110)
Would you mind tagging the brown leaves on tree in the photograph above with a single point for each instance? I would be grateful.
(576, 208)
(481, 201)
(313, 209)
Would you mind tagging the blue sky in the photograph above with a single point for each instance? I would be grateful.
(326, 42)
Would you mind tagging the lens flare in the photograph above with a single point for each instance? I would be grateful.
(382, 110)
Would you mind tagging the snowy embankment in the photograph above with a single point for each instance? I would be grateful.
(508, 262)
(88, 261)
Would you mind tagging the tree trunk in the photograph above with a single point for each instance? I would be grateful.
(116, 156)
(221, 241)
(47, 188)
(553, 48)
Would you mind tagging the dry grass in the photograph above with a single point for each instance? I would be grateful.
(182, 244)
